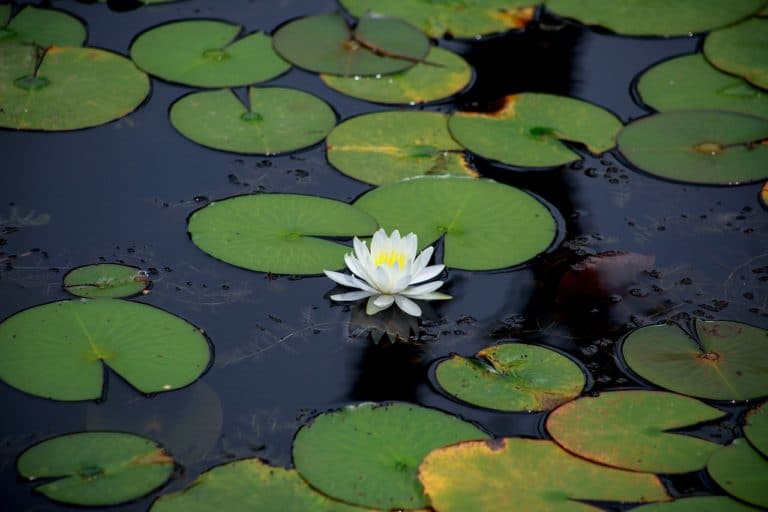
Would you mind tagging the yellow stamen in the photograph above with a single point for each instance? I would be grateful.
(389, 258)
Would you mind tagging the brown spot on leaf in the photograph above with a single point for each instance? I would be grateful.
(496, 445)
(158, 456)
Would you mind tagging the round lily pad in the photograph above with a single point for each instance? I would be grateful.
(740, 50)
(384, 147)
(485, 225)
(105, 280)
(756, 428)
(72, 88)
(656, 17)
(526, 474)
(369, 454)
(690, 82)
(699, 146)
(96, 468)
(529, 130)
(512, 377)
(697, 504)
(458, 18)
(41, 27)
(278, 233)
(442, 74)
(59, 350)
(249, 484)
(723, 362)
(276, 120)
(741, 472)
(326, 44)
(207, 53)
(630, 430)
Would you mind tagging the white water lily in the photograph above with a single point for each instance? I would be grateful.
(390, 273)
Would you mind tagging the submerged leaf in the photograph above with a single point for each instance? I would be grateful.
(105, 280)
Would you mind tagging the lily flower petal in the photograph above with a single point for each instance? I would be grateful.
(350, 296)
(427, 274)
(384, 301)
(371, 308)
(407, 305)
(413, 291)
(347, 280)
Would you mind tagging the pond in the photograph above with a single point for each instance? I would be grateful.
(629, 249)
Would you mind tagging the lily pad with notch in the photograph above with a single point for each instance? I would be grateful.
(40, 27)
(741, 471)
(106, 280)
(756, 428)
(698, 504)
(740, 50)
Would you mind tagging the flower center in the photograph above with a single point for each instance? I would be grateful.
(389, 258)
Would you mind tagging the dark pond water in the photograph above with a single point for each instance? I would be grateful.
(122, 193)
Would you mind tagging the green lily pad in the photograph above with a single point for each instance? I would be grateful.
(512, 377)
(106, 280)
(442, 75)
(369, 454)
(476, 218)
(690, 83)
(459, 18)
(656, 17)
(72, 88)
(59, 350)
(629, 430)
(326, 44)
(249, 484)
(278, 233)
(740, 50)
(275, 121)
(756, 428)
(529, 129)
(741, 472)
(41, 27)
(697, 504)
(698, 146)
(385, 147)
(526, 474)
(725, 363)
(96, 468)
(207, 53)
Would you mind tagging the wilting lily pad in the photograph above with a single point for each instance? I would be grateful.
(690, 82)
(72, 87)
(249, 484)
(512, 377)
(526, 474)
(279, 233)
(96, 468)
(656, 17)
(756, 428)
(326, 44)
(629, 430)
(529, 129)
(712, 147)
(697, 504)
(459, 18)
(443, 74)
(384, 147)
(206, 53)
(41, 27)
(486, 225)
(369, 454)
(724, 362)
(275, 121)
(740, 50)
(105, 280)
(741, 471)
(59, 350)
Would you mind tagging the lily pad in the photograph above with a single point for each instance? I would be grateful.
(740, 50)
(629, 430)
(105, 280)
(741, 472)
(458, 18)
(723, 362)
(41, 27)
(96, 468)
(275, 121)
(369, 454)
(764, 195)
(699, 146)
(207, 53)
(485, 225)
(529, 130)
(72, 87)
(59, 350)
(756, 428)
(697, 504)
(656, 17)
(443, 74)
(690, 82)
(526, 474)
(278, 233)
(385, 147)
(512, 377)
